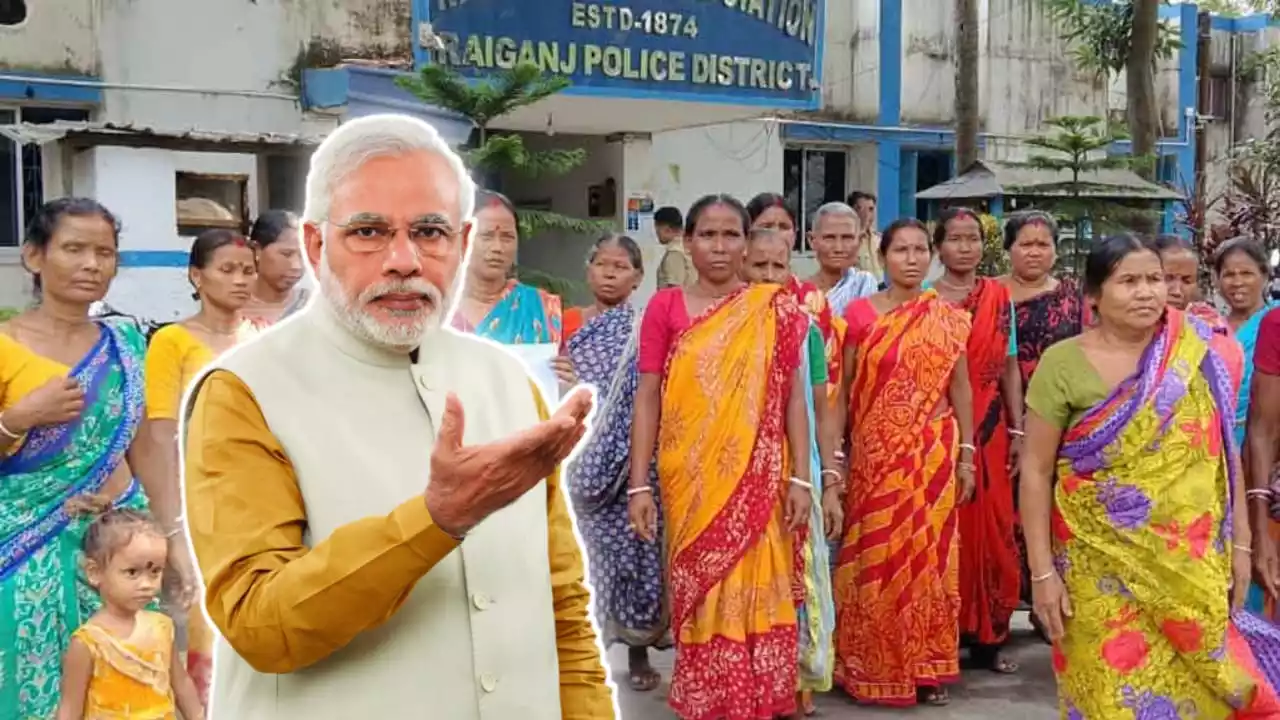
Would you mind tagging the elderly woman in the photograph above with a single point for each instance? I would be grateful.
(1142, 548)
(73, 438)
(836, 238)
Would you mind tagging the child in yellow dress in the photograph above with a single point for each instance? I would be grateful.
(121, 664)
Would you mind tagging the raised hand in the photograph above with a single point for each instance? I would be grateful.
(471, 482)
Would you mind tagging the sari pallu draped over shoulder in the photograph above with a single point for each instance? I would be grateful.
(43, 597)
(626, 572)
(1142, 536)
(830, 324)
(722, 466)
(990, 568)
(896, 587)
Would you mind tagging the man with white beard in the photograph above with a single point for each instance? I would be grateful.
(368, 553)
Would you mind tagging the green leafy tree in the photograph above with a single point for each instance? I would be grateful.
(1102, 33)
(1077, 146)
(498, 155)
(1252, 199)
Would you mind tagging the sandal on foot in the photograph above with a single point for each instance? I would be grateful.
(937, 697)
(644, 680)
(1002, 665)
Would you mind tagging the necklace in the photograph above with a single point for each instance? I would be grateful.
(211, 331)
(1044, 282)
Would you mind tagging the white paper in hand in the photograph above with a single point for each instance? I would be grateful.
(538, 359)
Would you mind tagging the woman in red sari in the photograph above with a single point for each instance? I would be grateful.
(990, 564)
(911, 450)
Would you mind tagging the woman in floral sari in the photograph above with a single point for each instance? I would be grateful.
(1047, 309)
(720, 404)
(626, 573)
(1136, 550)
(768, 260)
(910, 412)
(990, 564)
(1241, 269)
(71, 404)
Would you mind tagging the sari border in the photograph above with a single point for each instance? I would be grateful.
(691, 575)
(17, 548)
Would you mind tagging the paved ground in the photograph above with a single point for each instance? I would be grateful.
(981, 695)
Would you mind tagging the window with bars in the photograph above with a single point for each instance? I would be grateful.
(22, 169)
(812, 178)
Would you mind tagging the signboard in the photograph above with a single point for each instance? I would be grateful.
(751, 52)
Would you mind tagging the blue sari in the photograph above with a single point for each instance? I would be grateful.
(816, 617)
(43, 593)
(521, 317)
(625, 572)
(1247, 335)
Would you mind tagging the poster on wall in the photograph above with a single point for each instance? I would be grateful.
(640, 213)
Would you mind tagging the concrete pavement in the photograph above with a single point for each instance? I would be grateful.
(981, 695)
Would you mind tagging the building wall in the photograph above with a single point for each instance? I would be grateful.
(58, 37)
(564, 254)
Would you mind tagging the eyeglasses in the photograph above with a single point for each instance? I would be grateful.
(365, 236)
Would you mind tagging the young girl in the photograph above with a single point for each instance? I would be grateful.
(121, 664)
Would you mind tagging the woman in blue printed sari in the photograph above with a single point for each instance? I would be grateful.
(626, 572)
(71, 403)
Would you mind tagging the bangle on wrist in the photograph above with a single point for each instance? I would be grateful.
(5, 431)
(1242, 548)
(1015, 432)
(633, 491)
(968, 446)
(1042, 578)
(802, 483)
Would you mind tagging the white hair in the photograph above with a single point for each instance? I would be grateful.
(400, 337)
(356, 142)
(834, 209)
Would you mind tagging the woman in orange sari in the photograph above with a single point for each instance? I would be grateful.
(721, 405)
(990, 564)
(911, 450)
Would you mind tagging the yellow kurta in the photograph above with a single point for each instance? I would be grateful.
(246, 519)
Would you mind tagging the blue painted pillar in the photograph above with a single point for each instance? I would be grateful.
(888, 181)
(997, 207)
(889, 153)
(908, 180)
(1188, 97)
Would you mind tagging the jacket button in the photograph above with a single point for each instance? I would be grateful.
(488, 682)
(481, 601)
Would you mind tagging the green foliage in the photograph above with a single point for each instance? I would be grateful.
(486, 100)
(1252, 200)
(504, 154)
(1101, 33)
(1077, 145)
(7, 312)
(995, 261)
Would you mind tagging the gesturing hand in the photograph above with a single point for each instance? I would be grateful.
(471, 482)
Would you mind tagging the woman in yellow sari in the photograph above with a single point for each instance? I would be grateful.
(221, 269)
(906, 386)
(1141, 550)
(721, 401)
